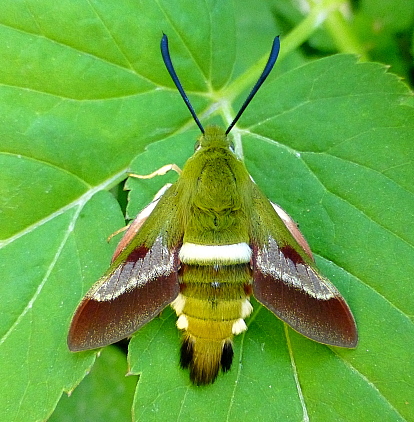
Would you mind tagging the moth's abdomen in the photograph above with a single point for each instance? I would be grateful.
(211, 308)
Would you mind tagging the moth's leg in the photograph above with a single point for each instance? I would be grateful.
(117, 232)
(160, 172)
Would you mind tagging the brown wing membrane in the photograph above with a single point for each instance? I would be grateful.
(127, 297)
(295, 292)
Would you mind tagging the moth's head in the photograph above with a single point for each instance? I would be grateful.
(214, 137)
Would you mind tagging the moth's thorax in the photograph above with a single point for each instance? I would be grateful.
(213, 188)
(214, 169)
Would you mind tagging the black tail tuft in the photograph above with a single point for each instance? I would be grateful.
(227, 356)
(204, 358)
(186, 353)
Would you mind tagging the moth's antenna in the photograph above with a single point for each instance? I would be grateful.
(269, 65)
(168, 64)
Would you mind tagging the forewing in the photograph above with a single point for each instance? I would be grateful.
(141, 281)
(287, 282)
(134, 227)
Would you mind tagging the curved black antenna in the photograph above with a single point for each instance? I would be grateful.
(269, 66)
(168, 64)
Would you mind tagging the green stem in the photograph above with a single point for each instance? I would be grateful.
(343, 36)
(289, 43)
(321, 12)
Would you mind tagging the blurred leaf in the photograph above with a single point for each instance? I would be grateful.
(83, 92)
(395, 16)
(385, 29)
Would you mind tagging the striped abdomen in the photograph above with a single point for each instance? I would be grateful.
(215, 285)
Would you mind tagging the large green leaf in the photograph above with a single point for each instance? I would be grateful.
(83, 93)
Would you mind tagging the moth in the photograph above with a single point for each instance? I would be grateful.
(204, 246)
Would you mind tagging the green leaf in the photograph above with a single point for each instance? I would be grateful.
(105, 395)
(84, 92)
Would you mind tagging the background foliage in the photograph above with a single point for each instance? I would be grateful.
(85, 98)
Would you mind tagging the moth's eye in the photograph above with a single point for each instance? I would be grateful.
(197, 146)
(231, 146)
